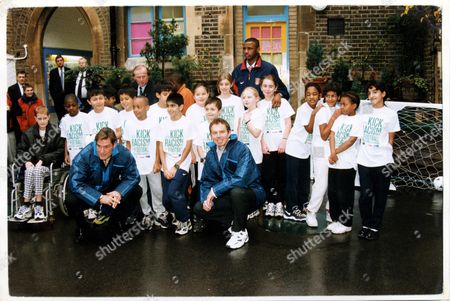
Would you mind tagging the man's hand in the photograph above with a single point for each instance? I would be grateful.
(29, 165)
(208, 203)
(108, 200)
(66, 159)
(276, 100)
(265, 148)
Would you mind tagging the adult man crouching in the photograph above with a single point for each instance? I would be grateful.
(103, 176)
(230, 185)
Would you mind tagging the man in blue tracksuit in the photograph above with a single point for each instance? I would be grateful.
(253, 69)
(103, 176)
(230, 186)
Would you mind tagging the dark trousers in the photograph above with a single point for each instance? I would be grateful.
(234, 207)
(341, 194)
(128, 206)
(274, 176)
(374, 191)
(174, 194)
(298, 182)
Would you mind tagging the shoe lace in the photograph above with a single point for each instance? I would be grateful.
(22, 209)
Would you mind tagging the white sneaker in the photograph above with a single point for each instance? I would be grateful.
(24, 213)
(329, 217)
(175, 222)
(147, 222)
(90, 214)
(183, 227)
(39, 212)
(340, 229)
(311, 219)
(237, 239)
(253, 214)
(270, 211)
(331, 226)
(279, 209)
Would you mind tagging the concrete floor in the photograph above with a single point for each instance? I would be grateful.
(406, 260)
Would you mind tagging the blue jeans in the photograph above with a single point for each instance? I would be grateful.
(174, 194)
(297, 182)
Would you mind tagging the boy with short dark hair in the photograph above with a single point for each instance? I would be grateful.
(158, 111)
(110, 97)
(175, 137)
(100, 115)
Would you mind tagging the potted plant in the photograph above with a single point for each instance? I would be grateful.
(314, 58)
(340, 74)
(412, 87)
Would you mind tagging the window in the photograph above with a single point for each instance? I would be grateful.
(140, 24)
(270, 37)
(265, 10)
(336, 26)
(167, 13)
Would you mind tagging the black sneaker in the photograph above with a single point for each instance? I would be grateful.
(199, 225)
(362, 233)
(296, 215)
(372, 234)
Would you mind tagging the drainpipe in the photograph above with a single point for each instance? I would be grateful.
(113, 42)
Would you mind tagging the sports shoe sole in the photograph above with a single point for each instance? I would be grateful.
(235, 248)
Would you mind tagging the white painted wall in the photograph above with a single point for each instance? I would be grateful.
(68, 29)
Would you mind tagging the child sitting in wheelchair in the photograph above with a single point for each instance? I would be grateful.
(40, 146)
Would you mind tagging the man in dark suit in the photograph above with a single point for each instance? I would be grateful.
(58, 86)
(142, 83)
(15, 92)
(80, 89)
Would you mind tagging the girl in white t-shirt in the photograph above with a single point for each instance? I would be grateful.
(232, 105)
(322, 125)
(377, 140)
(298, 152)
(276, 131)
(252, 124)
(342, 164)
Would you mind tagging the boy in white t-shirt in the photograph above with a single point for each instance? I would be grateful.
(126, 96)
(375, 152)
(298, 152)
(75, 128)
(175, 137)
(140, 136)
(100, 115)
(276, 131)
(342, 164)
(158, 111)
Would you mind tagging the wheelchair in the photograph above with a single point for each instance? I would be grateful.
(53, 193)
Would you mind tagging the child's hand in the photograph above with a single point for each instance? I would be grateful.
(29, 165)
(337, 113)
(282, 146)
(265, 148)
(156, 167)
(39, 164)
(66, 160)
(247, 117)
(317, 108)
(193, 158)
(167, 174)
(333, 158)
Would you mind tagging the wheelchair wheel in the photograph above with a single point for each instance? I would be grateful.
(62, 194)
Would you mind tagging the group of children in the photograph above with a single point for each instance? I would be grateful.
(169, 146)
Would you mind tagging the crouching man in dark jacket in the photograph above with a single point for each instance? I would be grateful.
(103, 176)
(230, 186)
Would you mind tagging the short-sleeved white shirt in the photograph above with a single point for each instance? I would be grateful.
(299, 141)
(232, 110)
(203, 136)
(275, 121)
(107, 118)
(196, 114)
(75, 129)
(156, 113)
(174, 136)
(345, 127)
(142, 136)
(124, 117)
(375, 149)
(322, 117)
(254, 144)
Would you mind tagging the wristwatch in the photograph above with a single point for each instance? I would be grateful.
(176, 166)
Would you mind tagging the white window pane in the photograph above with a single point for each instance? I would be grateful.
(140, 14)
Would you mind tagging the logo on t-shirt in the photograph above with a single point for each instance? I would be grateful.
(75, 135)
(101, 124)
(228, 114)
(372, 131)
(244, 135)
(273, 121)
(140, 143)
(174, 142)
(342, 134)
(206, 140)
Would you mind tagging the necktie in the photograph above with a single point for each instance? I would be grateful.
(140, 91)
(80, 83)
(62, 78)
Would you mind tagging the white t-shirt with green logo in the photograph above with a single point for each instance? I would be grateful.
(345, 127)
(157, 114)
(174, 136)
(124, 117)
(275, 121)
(299, 141)
(375, 149)
(142, 136)
(254, 144)
(77, 130)
(322, 117)
(107, 118)
(232, 110)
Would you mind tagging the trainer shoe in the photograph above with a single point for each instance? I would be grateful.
(183, 227)
(311, 219)
(147, 222)
(270, 211)
(372, 234)
(237, 239)
(24, 213)
(175, 222)
(340, 229)
(279, 209)
(362, 232)
(331, 226)
(253, 214)
(297, 215)
(163, 220)
(39, 212)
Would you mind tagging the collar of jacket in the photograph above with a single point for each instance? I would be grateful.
(36, 130)
(257, 65)
(233, 137)
(115, 150)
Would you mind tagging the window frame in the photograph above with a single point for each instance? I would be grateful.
(152, 20)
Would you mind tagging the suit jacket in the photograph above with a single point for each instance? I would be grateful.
(149, 92)
(15, 109)
(14, 93)
(56, 91)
